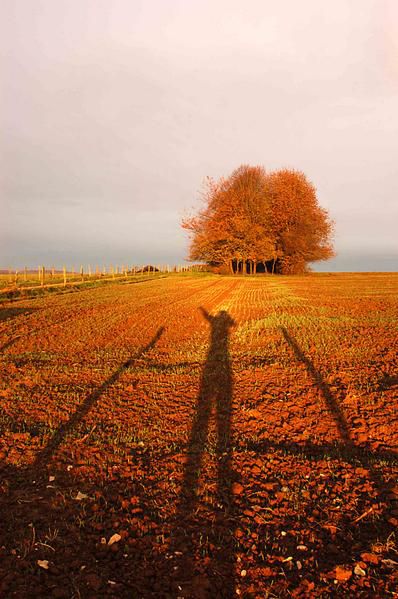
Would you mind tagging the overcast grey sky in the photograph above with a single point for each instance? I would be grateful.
(114, 111)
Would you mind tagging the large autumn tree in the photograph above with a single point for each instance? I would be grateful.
(253, 217)
(301, 228)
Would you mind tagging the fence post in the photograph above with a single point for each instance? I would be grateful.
(43, 274)
(16, 277)
(25, 274)
(82, 272)
(64, 270)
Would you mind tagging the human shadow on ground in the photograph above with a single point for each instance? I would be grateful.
(200, 545)
(211, 529)
(198, 527)
(206, 530)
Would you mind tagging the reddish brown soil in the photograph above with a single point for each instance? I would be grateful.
(239, 435)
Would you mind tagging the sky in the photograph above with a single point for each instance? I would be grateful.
(113, 112)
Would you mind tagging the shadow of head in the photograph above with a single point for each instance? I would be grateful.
(221, 321)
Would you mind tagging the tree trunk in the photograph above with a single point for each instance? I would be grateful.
(231, 267)
(273, 266)
(244, 267)
(265, 266)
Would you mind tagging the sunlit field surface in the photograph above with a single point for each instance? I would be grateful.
(201, 436)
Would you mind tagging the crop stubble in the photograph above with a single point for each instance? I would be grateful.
(247, 448)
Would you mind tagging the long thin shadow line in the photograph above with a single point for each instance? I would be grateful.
(7, 314)
(65, 429)
(335, 410)
(8, 344)
(338, 415)
(308, 450)
(351, 454)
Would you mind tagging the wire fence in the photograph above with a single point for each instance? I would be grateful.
(45, 276)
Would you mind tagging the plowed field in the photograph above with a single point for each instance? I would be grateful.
(201, 436)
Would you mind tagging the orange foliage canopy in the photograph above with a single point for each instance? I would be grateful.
(253, 218)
